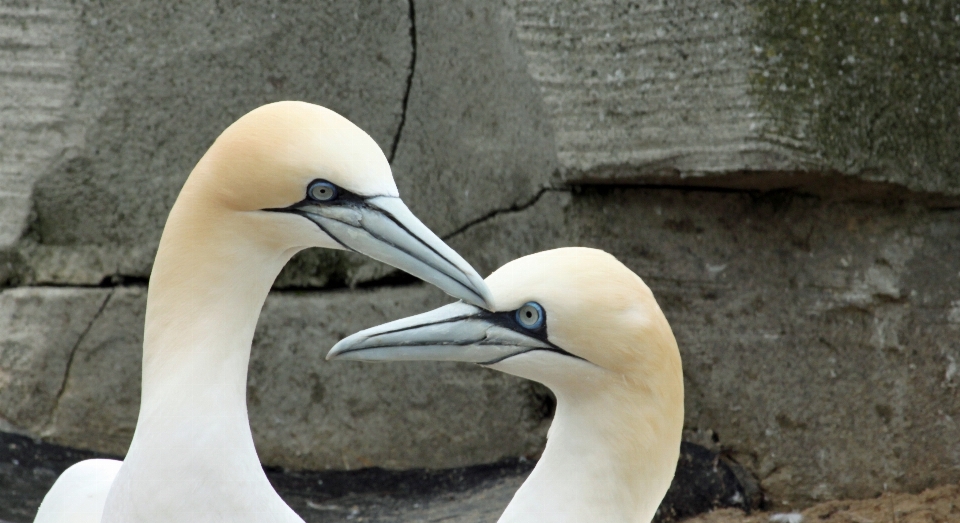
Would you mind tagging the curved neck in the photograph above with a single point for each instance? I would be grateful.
(611, 454)
(207, 287)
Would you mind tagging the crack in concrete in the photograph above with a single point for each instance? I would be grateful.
(516, 207)
(131, 282)
(409, 87)
(73, 353)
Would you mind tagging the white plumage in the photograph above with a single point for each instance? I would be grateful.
(285, 177)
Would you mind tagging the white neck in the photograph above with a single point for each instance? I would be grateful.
(192, 457)
(610, 457)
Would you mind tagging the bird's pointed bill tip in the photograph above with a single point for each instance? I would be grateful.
(341, 347)
(383, 228)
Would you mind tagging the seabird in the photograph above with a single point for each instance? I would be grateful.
(580, 322)
(284, 177)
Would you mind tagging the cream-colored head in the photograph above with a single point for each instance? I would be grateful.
(266, 159)
(292, 175)
(594, 307)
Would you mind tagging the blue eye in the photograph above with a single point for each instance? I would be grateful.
(322, 191)
(530, 316)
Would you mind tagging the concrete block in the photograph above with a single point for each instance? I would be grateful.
(36, 73)
(476, 138)
(98, 407)
(726, 93)
(39, 333)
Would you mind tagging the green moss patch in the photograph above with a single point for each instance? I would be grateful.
(870, 87)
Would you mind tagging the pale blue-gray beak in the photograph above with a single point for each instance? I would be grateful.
(455, 332)
(382, 228)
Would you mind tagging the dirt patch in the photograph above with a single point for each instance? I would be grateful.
(936, 505)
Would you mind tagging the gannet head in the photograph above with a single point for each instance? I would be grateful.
(559, 317)
(303, 176)
(580, 322)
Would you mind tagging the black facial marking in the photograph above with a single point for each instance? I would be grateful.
(343, 197)
(350, 199)
(505, 319)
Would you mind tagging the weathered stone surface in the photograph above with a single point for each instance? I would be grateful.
(819, 338)
(480, 103)
(476, 137)
(39, 333)
(871, 88)
(100, 397)
(696, 90)
(646, 89)
(71, 372)
(36, 72)
(147, 87)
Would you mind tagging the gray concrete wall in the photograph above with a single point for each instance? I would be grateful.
(783, 175)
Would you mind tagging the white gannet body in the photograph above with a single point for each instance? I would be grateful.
(286, 176)
(580, 322)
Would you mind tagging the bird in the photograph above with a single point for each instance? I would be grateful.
(580, 322)
(283, 177)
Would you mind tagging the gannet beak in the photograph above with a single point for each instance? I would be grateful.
(456, 332)
(382, 228)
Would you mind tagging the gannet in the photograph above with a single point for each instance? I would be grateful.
(284, 177)
(581, 323)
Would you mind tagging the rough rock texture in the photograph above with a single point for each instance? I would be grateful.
(476, 137)
(479, 105)
(639, 89)
(42, 329)
(70, 371)
(672, 92)
(149, 86)
(37, 46)
(819, 337)
(394, 416)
